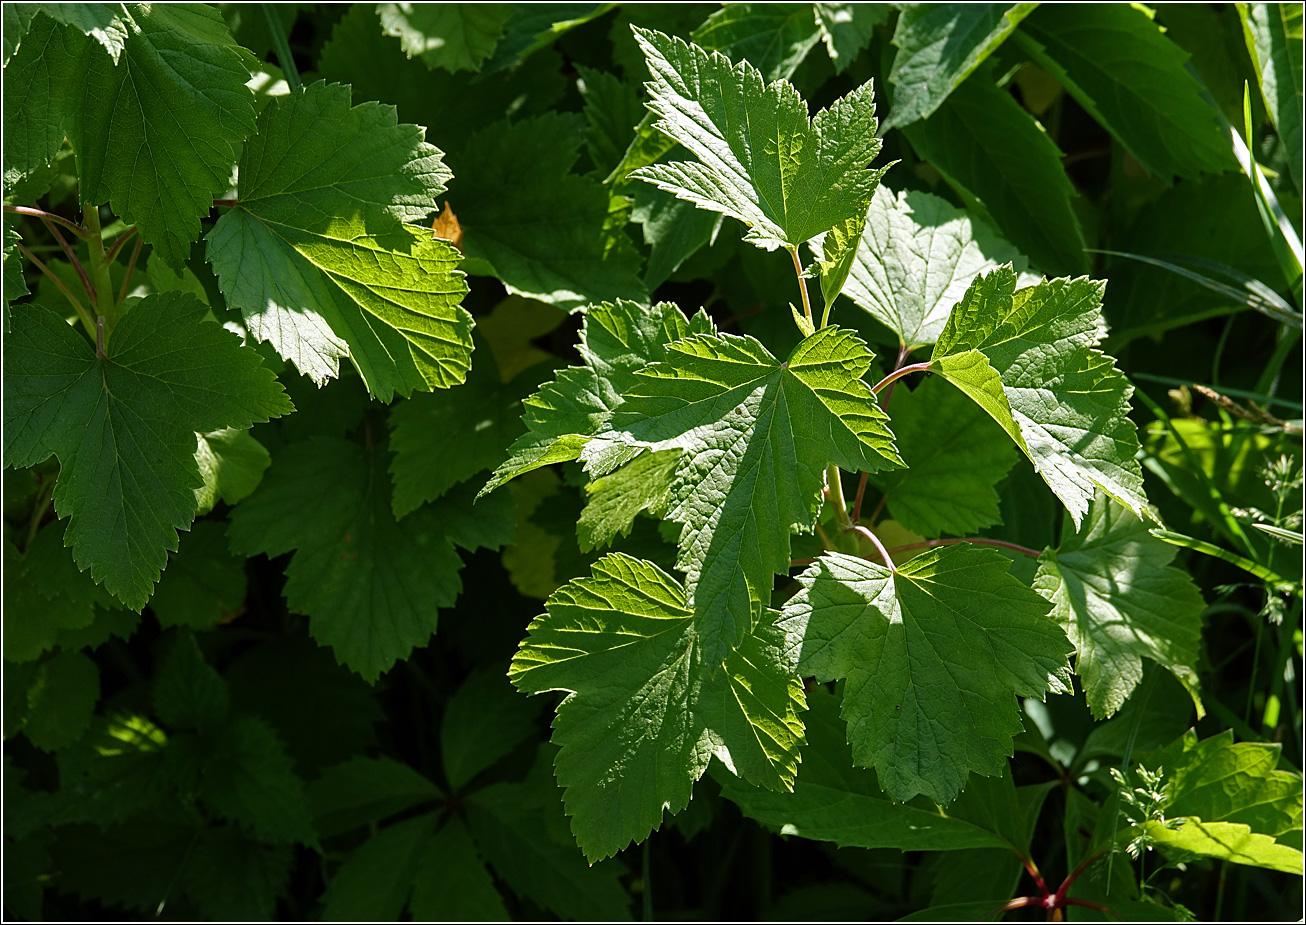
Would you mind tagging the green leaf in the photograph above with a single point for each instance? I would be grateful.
(939, 45)
(834, 801)
(615, 500)
(15, 284)
(61, 698)
(482, 416)
(1227, 841)
(612, 110)
(916, 258)
(231, 463)
(134, 866)
(17, 20)
(187, 692)
(520, 830)
(124, 426)
(1131, 78)
(932, 654)
(772, 37)
(617, 339)
(106, 624)
(249, 780)
(1273, 32)
(846, 28)
(987, 146)
(370, 585)
(203, 583)
(317, 256)
(1113, 589)
(756, 436)
(1029, 358)
(38, 83)
(155, 132)
(955, 457)
(456, 37)
(647, 698)
(45, 596)
(761, 160)
(484, 720)
(1219, 780)
(108, 23)
(374, 883)
(233, 878)
(836, 254)
(533, 26)
(451, 883)
(364, 791)
(539, 226)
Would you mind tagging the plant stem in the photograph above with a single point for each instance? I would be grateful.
(898, 374)
(857, 499)
(834, 484)
(903, 352)
(131, 268)
(802, 287)
(112, 254)
(875, 541)
(282, 47)
(976, 540)
(49, 216)
(72, 258)
(104, 302)
(87, 321)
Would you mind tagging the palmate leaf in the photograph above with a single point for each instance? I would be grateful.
(916, 257)
(939, 45)
(760, 159)
(371, 585)
(648, 705)
(155, 129)
(755, 436)
(616, 340)
(1029, 358)
(317, 255)
(1113, 589)
(932, 655)
(123, 425)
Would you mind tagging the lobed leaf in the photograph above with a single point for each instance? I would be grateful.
(1113, 589)
(123, 426)
(932, 654)
(760, 159)
(317, 255)
(456, 37)
(1029, 358)
(648, 706)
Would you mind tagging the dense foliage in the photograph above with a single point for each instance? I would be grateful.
(874, 429)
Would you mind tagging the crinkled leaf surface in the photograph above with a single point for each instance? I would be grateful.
(110, 24)
(939, 45)
(155, 132)
(932, 655)
(539, 226)
(755, 436)
(917, 256)
(317, 256)
(616, 340)
(1113, 589)
(760, 159)
(1129, 76)
(370, 585)
(955, 455)
(648, 705)
(835, 801)
(992, 150)
(644, 484)
(1273, 32)
(123, 426)
(1029, 358)
(454, 36)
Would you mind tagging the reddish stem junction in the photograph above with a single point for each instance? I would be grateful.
(1055, 902)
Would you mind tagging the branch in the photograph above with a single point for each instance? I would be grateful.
(112, 253)
(898, 374)
(875, 541)
(50, 216)
(131, 267)
(802, 286)
(72, 258)
(87, 321)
